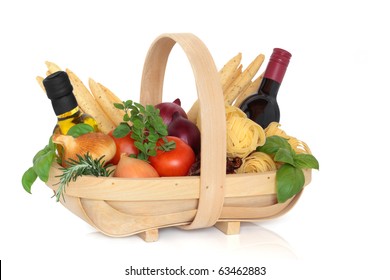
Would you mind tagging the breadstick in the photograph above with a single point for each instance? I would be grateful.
(40, 82)
(88, 104)
(228, 70)
(105, 103)
(51, 67)
(227, 74)
(251, 89)
(110, 94)
(243, 81)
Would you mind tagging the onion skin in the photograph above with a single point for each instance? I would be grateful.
(129, 167)
(97, 144)
(167, 109)
(186, 131)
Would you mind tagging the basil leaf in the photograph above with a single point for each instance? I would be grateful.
(285, 155)
(306, 161)
(43, 163)
(43, 160)
(80, 129)
(289, 182)
(273, 144)
(41, 153)
(28, 179)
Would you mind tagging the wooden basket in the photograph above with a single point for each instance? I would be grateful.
(122, 207)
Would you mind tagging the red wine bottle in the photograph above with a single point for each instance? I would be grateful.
(263, 107)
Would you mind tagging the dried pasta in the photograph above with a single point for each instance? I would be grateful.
(243, 135)
(234, 111)
(257, 162)
(298, 146)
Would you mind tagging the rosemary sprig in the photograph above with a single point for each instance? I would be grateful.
(84, 165)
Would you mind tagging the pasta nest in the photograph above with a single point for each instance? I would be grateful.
(243, 135)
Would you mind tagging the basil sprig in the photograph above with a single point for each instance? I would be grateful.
(44, 158)
(41, 166)
(289, 177)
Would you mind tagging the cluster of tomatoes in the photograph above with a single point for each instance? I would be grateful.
(172, 162)
(175, 162)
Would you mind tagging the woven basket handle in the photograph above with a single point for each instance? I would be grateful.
(212, 116)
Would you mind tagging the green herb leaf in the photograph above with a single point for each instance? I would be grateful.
(140, 146)
(128, 104)
(306, 161)
(80, 129)
(289, 182)
(138, 124)
(153, 138)
(42, 165)
(285, 155)
(167, 146)
(121, 130)
(151, 109)
(146, 127)
(28, 179)
(126, 117)
(289, 177)
(152, 152)
(84, 165)
(42, 162)
(119, 106)
(273, 144)
(161, 130)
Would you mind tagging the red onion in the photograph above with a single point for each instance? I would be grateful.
(168, 108)
(185, 130)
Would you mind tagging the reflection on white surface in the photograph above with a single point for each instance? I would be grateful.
(253, 241)
(261, 242)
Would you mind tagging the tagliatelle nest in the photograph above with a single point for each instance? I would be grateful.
(297, 145)
(257, 162)
(243, 135)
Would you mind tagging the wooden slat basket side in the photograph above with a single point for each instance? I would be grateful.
(122, 207)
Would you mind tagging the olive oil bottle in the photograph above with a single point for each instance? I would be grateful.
(60, 91)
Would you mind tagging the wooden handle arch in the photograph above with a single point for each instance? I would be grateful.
(212, 116)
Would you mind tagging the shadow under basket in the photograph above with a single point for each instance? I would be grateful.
(121, 207)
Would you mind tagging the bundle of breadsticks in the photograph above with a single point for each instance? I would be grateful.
(97, 101)
(236, 83)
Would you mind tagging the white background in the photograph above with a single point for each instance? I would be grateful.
(333, 97)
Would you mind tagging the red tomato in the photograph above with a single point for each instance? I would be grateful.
(124, 145)
(176, 162)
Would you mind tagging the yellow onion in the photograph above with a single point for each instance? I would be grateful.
(96, 144)
(129, 167)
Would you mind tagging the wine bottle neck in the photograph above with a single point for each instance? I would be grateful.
(269, 87)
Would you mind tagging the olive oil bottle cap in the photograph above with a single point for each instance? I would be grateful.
(60, 91)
